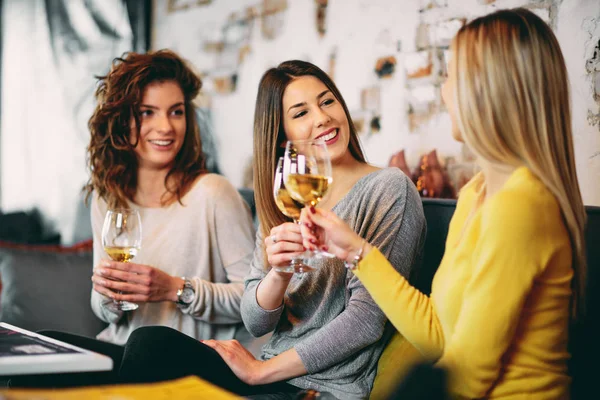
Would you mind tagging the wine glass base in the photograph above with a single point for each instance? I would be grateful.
(323, 254)
(122, 306)
(286, 268)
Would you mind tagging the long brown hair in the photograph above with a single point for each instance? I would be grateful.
(111, 157)
(512, 96)
(269, 135)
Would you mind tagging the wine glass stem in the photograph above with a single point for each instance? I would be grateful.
(119, 303)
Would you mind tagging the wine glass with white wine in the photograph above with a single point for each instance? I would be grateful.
(291, 209)
(122, 239)
(307, 174)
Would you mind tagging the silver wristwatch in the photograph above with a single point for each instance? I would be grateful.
(186, 294)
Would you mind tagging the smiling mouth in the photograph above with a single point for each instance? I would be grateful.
(162, 142)
(329, 136)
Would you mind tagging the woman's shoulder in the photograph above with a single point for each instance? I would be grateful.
(390, 178)
(212, 184)
(524, 203)
(384, 186)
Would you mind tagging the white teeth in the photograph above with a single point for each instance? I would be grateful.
(329, 136)
(161, 142)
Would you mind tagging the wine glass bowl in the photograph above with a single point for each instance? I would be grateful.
(291, 209)
(307, 174)
(122, 240)
(307, 170)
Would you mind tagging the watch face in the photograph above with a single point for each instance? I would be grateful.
(187, 296)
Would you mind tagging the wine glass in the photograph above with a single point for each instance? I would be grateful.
(122, 239)
(291, 209)
(307, 174)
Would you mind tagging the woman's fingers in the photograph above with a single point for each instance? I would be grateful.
(283, 258)
(115, 274)
(286, 232)
(285, 247)
(127, 267)
(120, 286)
(103, 290)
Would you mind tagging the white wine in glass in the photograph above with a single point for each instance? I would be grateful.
(122, 239)
(291, 209)
(307, 174)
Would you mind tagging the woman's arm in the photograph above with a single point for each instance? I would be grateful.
(285, 366)
(231, 237)
(394, 221)
(411, 312)
(262, 302)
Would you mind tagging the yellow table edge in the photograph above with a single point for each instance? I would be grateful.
(190, 387)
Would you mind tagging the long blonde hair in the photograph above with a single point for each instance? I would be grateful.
(270, 138)
(512, 97)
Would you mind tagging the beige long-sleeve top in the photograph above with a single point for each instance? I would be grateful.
(210, 240)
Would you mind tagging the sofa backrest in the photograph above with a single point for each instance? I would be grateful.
(438, 213)
(584, 343)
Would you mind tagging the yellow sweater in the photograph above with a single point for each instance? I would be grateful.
(498, 314)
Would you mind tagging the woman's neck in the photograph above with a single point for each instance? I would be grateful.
(495, 176)
(150, 187)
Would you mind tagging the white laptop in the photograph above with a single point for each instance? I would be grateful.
(23, 352)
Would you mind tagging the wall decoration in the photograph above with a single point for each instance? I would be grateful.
(370, 99)
(363, 121)
(233, 44)
(385, 67)
(442, 33)
(321, 16)
(398, 160)
(332, 57)
(431, 178)
(592, 66)
(272, 18)
(591, 27)
(225, 84)
(422, 37)
(418, 65)
(178, 5)
(423, 104)
(425, 5)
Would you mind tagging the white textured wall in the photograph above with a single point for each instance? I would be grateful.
(362, 31)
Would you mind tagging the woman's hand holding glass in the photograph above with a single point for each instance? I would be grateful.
(131, 282)
(340, 239)
(121, 280)
(285, 238)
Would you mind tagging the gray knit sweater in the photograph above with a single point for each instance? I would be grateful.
(328, 316)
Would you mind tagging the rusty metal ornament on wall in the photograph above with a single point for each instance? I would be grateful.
(432, 179)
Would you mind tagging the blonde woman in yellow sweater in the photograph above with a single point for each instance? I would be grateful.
(498, 314)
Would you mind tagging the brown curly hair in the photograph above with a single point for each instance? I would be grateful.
(111, 158)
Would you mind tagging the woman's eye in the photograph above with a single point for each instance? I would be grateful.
(178, 112)
(327, 102)
(300, 114)
(146, 113)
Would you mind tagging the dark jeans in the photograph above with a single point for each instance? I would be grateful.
(157, 353)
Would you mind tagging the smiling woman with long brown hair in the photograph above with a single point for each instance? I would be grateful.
(145, 154)
(513, 271)
(327, 332)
